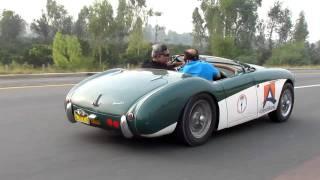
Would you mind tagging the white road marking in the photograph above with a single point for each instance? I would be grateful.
(306, 73)
(309, 86)
(39, 86)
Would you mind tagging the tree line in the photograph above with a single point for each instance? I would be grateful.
(97, 38)
(100, 37)
(232, 29)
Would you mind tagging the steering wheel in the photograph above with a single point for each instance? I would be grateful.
(177, 61)
(177, 58)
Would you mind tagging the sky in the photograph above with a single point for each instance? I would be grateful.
(177, 14)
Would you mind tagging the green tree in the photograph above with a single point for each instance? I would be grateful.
(42, 28)
(123, 22)
(138, 48)
(274, 15)
(55, 18)
(301, 32)
(280, 23)
(285, 27)
(314, 52)
(279, 27)
(101, 25)
(293, 53)
(81, 25)
(38, 55)
(58, 17)
(11, 26)
(67, 52)
(262, 49)
(230, 23)
(199, 32)
(122, 27)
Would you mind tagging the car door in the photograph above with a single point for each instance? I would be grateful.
(268, 94)
(241, 100)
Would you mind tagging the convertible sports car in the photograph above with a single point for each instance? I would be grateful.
(153, 102)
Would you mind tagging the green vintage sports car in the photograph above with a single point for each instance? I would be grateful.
(153, 102)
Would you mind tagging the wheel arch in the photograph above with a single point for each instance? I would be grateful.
(214, 100)
(289, 81)
(217, 109)
(292, 83)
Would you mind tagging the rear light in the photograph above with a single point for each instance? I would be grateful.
(116, 124)
(112, 123)
(109, 122)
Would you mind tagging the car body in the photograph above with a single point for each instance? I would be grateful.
(155, 102)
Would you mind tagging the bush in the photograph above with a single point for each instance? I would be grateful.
(293, 53)
(38, 55)
(67, 53)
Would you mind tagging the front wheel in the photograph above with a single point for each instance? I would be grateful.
(285, 106)
(198, 120)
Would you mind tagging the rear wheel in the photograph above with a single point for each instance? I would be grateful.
(285, 106)
(198, 120)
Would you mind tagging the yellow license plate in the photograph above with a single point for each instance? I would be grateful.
(81, 119)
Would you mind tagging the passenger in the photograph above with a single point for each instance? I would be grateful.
(160, 58)
(196, 67)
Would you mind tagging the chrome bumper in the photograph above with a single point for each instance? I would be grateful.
(70, 113)
(123, 122)
(125, 127)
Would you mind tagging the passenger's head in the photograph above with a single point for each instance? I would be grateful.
(191, 54)
(160, 53)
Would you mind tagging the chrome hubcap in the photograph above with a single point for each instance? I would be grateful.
(200, 118)
(286, 103)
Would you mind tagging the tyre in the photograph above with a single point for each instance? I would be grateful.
(197, 121)
(285, 106)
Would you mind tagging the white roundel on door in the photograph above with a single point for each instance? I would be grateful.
(242, 104)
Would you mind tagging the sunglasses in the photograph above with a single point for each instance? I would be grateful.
(165, 55)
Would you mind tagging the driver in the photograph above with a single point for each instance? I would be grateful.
(196, 67)
(160, 58)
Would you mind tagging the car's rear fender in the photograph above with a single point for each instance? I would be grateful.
(163, 108)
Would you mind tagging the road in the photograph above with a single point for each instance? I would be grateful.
(37, 142)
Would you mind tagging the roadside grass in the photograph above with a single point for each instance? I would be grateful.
(36, 70)
(28, 69)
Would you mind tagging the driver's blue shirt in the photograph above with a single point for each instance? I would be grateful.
(201, 69)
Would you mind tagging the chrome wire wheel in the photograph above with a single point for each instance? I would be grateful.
(200, 118)
(286, 103)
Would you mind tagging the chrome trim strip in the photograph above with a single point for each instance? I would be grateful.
(70, 113)
(168, 130)
(125, 127)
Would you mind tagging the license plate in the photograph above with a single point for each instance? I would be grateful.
(82, 119)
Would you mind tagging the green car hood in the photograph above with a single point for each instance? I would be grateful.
(114, 93)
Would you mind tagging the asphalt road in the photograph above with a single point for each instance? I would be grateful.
(37, 142)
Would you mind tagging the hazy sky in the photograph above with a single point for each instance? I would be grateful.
(177, 14)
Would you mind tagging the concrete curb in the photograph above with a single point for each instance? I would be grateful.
(46, 75)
